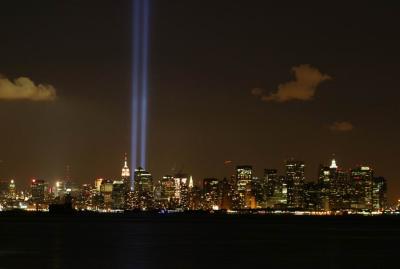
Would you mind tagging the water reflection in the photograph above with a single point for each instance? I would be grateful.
(193, 242)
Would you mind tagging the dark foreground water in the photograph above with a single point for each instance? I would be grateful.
(198, 242)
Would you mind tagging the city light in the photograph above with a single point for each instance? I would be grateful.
(334, 192)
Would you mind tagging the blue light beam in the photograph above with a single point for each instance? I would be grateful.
(145, 63)
(140, 66)
(135, 84)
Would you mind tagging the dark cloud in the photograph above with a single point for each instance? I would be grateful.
(257, 91)
(303, 88)
(341, 126)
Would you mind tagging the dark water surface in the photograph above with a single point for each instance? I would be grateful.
(135, 242)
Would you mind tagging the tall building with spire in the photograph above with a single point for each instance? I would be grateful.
(334, 187)
(333, 164)
(126, 174)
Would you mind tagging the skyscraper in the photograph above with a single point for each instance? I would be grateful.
(324, 183)
(244, 195)
(182, 190)
(379, 194)
(295, 181)
(118, 194)
(227, 193)
(12, 192)
(60, 189)
(85, 199)
(334, 187)
(211, 193)
(126, 175)
(167, 192)
(143, 181)
(143, 188)
(275, 189)
(106, 190)
(312, 201)
(39, 191)
(362, 184)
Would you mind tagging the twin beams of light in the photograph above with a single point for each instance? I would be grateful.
(140, 61)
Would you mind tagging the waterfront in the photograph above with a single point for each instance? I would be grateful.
(197, 241)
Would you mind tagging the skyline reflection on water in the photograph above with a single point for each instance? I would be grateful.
(197, 242)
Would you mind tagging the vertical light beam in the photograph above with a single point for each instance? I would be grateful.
(145, 59)
(135, 84)
(140, 65)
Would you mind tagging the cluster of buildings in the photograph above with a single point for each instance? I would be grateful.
(335, 190)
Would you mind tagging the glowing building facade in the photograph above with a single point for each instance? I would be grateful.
(379, 194)
(275, 190)
(126, 175)
(182, 190)
(39, 191)
(362, 184)
(211, 194)
(143, 189)
(295, 177)
(244, 198)
(118, 195)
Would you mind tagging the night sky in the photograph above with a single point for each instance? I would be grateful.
(247, 81)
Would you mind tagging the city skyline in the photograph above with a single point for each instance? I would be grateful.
(219, 89)
(229, 167)
(128, 178)
(227, 164)
(336, 191)
(199, 134)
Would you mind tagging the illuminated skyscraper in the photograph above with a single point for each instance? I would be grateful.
(379, 194)
(334, 187)
(106, 189)
(182, 190)
(167, 192)
(211, 194)
(126, 175)
(340, 188)
(227, 193)
(295, 178)
(335, 192)
(85, 198)
(325, 183)
(97, 184)
(244, 196)
(270, 180)
(344, 189)
(312, 201)
(12, 192)
(168, 187)
(275, 190)
(60, 189)
(362, 185)
(143, 181)
(118, 194)
(39, 191)
(97, 197)
(143, 188)
(258, 190)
